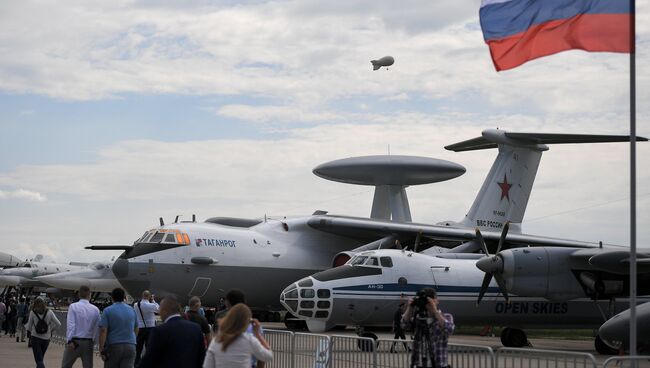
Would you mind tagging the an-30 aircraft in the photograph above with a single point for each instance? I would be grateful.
(262, 257)
(557, 287)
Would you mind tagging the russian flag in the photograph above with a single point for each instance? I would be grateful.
(520, 30)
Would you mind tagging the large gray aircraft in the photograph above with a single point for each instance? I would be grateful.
(262, 257)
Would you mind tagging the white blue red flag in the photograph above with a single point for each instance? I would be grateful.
(520, 30)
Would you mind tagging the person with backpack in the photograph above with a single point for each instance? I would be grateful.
(23, 311)
(41, 323)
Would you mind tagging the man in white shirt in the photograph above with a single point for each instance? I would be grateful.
(83, 321)
(145, 311)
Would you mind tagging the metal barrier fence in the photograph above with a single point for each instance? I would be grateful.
(352, 351)
(282, 345)
(471, 356)
(298, 350)
(534, 358)
(310, 350)
(628, 362)
(393, 353)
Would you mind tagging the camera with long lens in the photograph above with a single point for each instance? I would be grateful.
(421, 300)
(423, 354)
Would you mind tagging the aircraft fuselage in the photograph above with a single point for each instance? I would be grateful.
(213, 258)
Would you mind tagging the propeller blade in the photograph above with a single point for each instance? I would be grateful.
(417, 242)
(504, 232)
(481, 241)
(486, 282)
(502, 287)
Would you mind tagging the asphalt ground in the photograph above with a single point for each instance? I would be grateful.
(18, 355)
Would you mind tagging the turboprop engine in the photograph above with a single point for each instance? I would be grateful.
(536, 272)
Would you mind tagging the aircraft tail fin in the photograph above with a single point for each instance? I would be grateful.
(375, 65)
(505, 192)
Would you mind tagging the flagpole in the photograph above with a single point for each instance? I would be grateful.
(633, 286)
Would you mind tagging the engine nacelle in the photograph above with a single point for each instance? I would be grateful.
(542, 272)
(342, 257)
(389, 241)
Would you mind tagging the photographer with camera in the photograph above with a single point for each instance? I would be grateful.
(431, 329)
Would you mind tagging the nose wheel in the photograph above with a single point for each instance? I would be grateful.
(514, 338)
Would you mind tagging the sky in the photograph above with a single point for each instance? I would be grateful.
(113, 114)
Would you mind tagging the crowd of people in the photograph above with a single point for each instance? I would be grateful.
(130, 336)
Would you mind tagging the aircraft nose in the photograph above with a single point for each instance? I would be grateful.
(490, 265)
(121, 268)
(306, 300)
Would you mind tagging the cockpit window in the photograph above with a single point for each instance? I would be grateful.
(372, 262)
(386, 262)
(143, 237)
(157, 238)
(170, 238)
(359, 260)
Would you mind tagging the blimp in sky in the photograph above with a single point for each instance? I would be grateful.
(385, 61)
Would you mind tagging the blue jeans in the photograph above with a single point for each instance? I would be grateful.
(39, 347)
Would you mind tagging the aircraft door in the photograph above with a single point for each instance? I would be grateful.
(443, 278)
(201, 286)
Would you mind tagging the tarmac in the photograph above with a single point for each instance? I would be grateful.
(17, 355)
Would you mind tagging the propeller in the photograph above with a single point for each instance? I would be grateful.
(492, 266)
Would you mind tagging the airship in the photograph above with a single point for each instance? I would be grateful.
(385, 61)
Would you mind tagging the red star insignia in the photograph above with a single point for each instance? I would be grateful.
(505, 188)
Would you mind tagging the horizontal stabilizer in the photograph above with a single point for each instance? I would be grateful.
(492, 137)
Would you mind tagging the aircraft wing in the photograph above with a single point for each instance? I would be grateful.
(373, 229)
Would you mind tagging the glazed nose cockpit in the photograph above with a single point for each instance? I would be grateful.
(305, 300)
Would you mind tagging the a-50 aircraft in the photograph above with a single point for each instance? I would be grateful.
(262, 257)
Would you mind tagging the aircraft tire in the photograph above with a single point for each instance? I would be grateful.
(365, 345)
(505, 336)
(603, 348)
(518, 338)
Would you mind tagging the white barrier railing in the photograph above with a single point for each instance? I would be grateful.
(525, 358)
(353, 351)
(393, 353)
(282, 345)
(310, 350)
(628, 362)
(471, 356)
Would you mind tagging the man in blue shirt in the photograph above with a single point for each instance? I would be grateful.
(117, 329)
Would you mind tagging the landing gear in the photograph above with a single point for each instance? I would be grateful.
(294, 324)
(514, 338)
(603, 348)
(365, 345)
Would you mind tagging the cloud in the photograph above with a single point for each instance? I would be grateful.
(23, 194)
(98, 50)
